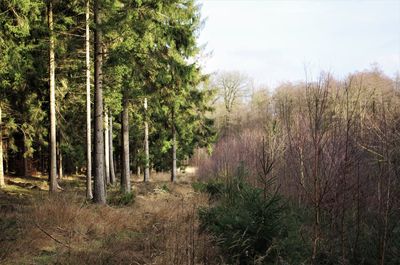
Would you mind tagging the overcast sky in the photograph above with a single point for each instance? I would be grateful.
(273, 41)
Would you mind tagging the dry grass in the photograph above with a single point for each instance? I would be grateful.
(161, 227)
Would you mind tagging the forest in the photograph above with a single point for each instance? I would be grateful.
(117, 148)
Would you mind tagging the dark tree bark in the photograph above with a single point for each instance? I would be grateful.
(99, 188)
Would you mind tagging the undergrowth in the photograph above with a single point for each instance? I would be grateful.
(65, 229)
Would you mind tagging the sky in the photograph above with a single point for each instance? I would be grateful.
(275, 41)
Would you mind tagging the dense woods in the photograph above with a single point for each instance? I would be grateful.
(139, 51)
(104, 102)
(330, 148)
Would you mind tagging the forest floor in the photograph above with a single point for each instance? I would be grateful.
(159, 225)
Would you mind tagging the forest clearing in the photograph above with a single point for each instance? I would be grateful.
(199, 132)
(158, 226)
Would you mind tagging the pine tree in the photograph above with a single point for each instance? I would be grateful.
(99, 188)
(89, 194)
(53, 143)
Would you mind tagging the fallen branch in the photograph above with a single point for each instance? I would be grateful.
(52, 237)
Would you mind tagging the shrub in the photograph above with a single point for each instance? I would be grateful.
(214, 188)
(165, 188)
(244, 223)
(122, 199)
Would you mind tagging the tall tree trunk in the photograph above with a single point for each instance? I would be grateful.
(173, 170)
(89, 194)
(146, 145)
(125, 170)
(110, 136)
(106, 149)
(2, 183)
(99, 188)
(53, 143)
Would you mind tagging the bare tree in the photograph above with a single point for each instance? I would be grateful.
(231, 87)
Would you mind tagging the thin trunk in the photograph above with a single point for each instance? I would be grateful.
(316, 235)
(386, 222)
(60, 159)
(25, 172)
(2, 183)
(125, 174)
(89, 194)
(173, 171)
(355, 254)
(387, 200)
(146, 145)
(53, 154)
(106, 149)
(99, 189)
(112, 169)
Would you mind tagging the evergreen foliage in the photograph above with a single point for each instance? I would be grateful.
(246, 224)
(149, 50)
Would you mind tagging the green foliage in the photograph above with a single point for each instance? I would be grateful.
(121, 199)
(150, 46)
(246, 225)
(215, 188)
(165, 188)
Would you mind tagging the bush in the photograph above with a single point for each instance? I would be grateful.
(122, 199)
(244, 223)
(214, 188)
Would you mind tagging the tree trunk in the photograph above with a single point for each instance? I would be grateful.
(112, 169)
(53, 154)
(125, 171)
(2, 183)
(89, 194)
(99, 189)
(173, 171)
(146, 145)
(25, 171)
(106, 149)
(60, 159)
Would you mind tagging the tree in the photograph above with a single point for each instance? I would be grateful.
(111, 146)
(125, 173)
(89, 194)
(53, 141)
(99, 188)
(231, 87)
(146, 144)
(2, 183)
